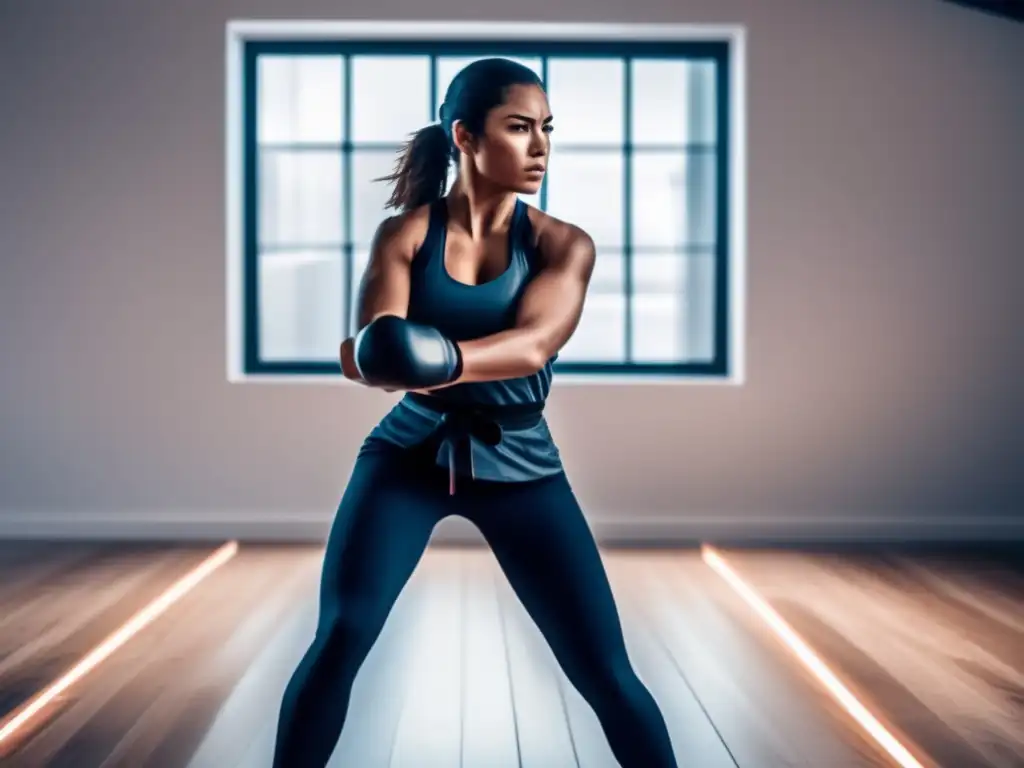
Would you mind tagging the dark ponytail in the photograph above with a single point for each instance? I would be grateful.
(421, 171)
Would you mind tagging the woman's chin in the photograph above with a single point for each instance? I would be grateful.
(530, 186)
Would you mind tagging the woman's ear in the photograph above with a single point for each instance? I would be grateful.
(463, 140)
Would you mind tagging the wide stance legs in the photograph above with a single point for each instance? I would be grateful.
(540, 538)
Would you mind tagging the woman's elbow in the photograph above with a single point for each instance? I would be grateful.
(537, 357)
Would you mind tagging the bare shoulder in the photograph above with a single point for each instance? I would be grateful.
(561, 241)
(402, 234)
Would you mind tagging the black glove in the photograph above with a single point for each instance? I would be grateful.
(392, 351)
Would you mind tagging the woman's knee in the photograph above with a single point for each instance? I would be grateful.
(607, 683)
(343, 635)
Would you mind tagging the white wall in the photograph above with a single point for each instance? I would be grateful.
(884, 350)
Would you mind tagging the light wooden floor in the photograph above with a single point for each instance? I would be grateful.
(934, 647)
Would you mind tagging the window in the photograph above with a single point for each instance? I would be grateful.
(647, 156)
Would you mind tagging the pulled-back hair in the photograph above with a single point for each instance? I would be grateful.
(421, 171)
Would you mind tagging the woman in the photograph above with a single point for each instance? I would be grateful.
(465, 303)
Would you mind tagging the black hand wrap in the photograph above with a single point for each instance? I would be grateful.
(395, 352)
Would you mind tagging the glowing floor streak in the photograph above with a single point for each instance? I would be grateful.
(810, 659)
(23, 716)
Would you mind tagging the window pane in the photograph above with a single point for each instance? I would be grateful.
(700, 308)
(448, 67)
(369, 196)
(658, 197)
(609, 273)
(701, 199)
(301, 305)
(601, 334)
(586, 97)
(673, 199)
(658, 111)
(673, 102)
(300, 98)
(673, 308)
(703, 102)
(659, 296)
(390, 97)
(300, 197)
(585, 189)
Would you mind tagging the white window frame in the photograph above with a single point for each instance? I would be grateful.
(240, 32)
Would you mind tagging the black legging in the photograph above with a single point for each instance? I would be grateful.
(545, 548)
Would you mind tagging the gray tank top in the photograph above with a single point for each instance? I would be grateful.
(524, 451)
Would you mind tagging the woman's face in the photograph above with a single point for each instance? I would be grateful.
(513, 151)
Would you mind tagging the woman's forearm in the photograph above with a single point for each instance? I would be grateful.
(505, 355)
(392, 356)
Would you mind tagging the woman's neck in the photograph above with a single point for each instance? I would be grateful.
(480, 211)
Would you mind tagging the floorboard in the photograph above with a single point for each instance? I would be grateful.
(490, 728)
(542, 720)
(430, 725)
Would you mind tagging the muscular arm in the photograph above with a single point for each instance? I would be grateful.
(384, 289)
(549, 312)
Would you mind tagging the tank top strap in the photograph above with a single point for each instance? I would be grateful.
(433, 240)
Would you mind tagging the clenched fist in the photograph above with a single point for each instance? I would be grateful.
(348, 361)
